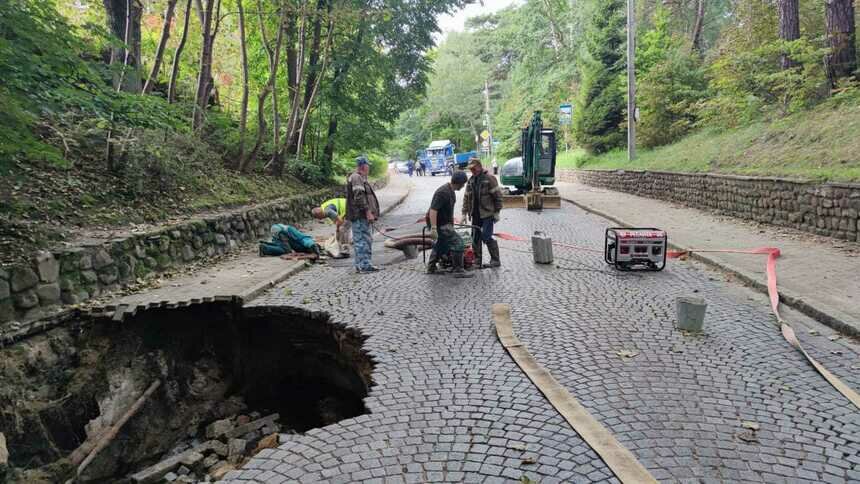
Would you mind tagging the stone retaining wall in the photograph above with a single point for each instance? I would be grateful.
(829, 209)
(74, 275)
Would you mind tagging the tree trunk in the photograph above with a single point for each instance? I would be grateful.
(162, 43)
(841, 36)
(337, 84)
(314, 57)
(204, 77)
(309, 98)
(557, 37)
(295, 74)
(273, 54)
(328, 151)
(174, 71)
(243, 116)
(698, 26)
(789, 26)
(124, 23)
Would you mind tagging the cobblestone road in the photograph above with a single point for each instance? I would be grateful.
(450, 405)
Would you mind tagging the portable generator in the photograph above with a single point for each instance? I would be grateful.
(636, 248)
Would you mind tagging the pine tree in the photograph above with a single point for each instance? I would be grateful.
(599, 123)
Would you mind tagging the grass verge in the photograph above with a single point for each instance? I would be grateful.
(821, 144)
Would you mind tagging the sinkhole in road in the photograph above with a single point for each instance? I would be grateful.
(217, 375)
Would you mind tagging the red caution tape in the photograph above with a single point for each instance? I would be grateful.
(516, 238)
(772, 254)
(787, 331)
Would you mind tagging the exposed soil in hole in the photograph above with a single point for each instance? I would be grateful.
(222, 382)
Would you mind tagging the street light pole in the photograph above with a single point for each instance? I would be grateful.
(489, 122)
(631, 80)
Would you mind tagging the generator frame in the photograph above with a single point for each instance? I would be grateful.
(633, 259)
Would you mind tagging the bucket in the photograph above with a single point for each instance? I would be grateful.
(691, 313)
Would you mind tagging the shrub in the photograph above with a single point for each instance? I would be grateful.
(749, 85)
(598, 124)
(668, 93)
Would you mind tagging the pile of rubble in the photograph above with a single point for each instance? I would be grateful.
(229, 444)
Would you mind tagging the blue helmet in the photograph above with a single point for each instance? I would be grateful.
(362, 160)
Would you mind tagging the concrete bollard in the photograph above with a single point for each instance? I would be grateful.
(691, 313)
(411, 251)
(542, 248)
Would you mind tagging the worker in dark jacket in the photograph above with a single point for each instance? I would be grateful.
(362, 209)
(482, 204)
(440, 217)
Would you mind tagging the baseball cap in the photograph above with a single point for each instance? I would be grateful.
(473, 162)
(458, 178)
(362, 160)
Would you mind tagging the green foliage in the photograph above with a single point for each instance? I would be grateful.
(817, 144)
(667, 96)
(749, 85)
(598, 122)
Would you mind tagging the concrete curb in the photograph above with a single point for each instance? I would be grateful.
(399, 201)
(254, 291)
(118, 312)
(787, 297)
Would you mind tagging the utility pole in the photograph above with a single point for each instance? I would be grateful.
(631, 80)
(487, 114)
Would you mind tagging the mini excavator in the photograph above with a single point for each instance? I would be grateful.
(532, 175)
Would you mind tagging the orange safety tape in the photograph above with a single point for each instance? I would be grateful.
(516, 238)
(787, 331)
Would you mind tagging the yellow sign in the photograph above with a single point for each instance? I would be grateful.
(485, 134)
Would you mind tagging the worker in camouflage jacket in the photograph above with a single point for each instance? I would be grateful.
(362, 209)
(482, 204)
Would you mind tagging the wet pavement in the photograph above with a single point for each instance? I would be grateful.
(449, 405)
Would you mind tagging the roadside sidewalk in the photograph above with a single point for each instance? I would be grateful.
(243, 275)
(818, 276)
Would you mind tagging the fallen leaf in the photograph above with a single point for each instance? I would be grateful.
(834, 337)
(529, 461)
(750, 425)
(747, 436)
(626, 353)
(813, 332)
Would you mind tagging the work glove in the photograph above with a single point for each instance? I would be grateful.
(496, 217)
(466, 218)
(434, 233)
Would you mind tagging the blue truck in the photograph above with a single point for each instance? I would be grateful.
(442, 159)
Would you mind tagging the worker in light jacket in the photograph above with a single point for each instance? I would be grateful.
(482, 204)
(362, 209)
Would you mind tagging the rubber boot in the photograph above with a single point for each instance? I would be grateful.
(432, 263)
(477, 249)
(457, 262)
(493, 247)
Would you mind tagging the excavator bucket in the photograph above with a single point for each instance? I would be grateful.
(513, 201)
(537, 200)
